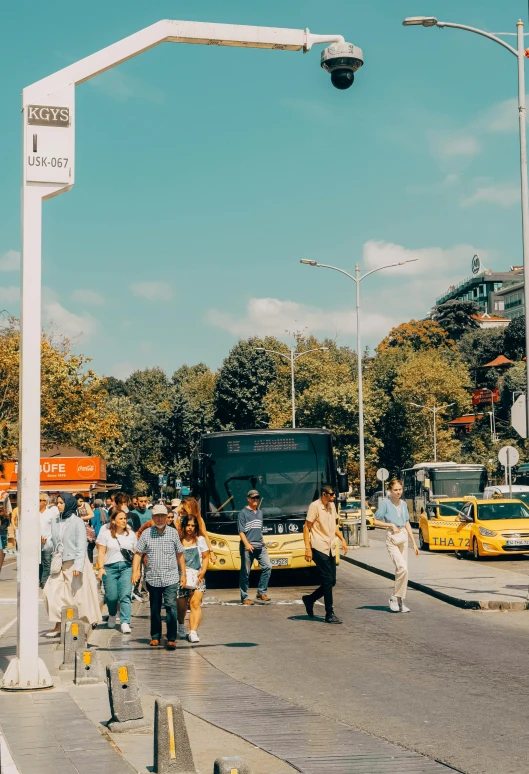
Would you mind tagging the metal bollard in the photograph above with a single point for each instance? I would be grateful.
(74, 640)
(87, 668)
(67, 614)
(124, 697)
(232, 765)
(172, 751)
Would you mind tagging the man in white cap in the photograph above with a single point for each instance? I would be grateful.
(165, 557)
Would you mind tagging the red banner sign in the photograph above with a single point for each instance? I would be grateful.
(485, 396)
(59, 469)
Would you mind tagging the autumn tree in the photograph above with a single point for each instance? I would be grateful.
(416, 334)
(74, 407)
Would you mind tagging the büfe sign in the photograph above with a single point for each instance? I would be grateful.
(60, 469)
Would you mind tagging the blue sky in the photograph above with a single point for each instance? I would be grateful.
(204, 174)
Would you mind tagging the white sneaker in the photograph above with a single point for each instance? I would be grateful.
(111, 623)
(125, 628)
(182, 631)
(193, 637)
(402, 607)
(394, 605)
(136, 596)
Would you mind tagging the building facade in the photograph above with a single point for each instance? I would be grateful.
(487, 289)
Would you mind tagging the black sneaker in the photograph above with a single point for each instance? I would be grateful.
(309, 605)
(332, 619)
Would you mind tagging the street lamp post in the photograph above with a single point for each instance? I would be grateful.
(357, 279)
(435, 410)
(520, 54)
(292, 357)
(48, 170)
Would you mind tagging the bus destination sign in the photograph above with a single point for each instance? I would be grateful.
(263, 444)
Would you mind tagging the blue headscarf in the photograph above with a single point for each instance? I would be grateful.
(70, 505)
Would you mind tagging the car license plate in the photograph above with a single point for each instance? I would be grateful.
(517, 542)
(279, 562)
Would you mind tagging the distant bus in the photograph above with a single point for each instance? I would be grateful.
(287, 467)
(429, 480)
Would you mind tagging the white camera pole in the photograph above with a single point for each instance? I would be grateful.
(49, 150)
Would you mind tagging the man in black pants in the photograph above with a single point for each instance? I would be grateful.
(320, 532)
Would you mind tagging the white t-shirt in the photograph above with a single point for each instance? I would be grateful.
(113, 553)
(50, 514)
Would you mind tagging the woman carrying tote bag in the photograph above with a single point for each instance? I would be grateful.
(72, 580)
(196, 554)
(392, 515)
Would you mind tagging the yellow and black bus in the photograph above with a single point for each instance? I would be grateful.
(287, 467)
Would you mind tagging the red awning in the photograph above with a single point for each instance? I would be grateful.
(467, 419)
(501, 360)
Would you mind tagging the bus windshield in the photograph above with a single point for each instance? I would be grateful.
(457, 482)
(287, 469)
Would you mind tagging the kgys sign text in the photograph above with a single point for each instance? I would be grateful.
(49, 137)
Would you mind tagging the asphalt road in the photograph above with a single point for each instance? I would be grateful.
(518, 563)
(449, 683)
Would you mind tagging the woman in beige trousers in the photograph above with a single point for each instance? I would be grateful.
(392, 515)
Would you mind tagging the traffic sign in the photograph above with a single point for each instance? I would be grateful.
(518, 416)
(382, 474)
(420, 476)
(508, 456)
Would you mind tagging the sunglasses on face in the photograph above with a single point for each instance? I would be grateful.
(253, 498)
(330, 494)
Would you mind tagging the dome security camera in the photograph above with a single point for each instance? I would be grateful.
(342, 60)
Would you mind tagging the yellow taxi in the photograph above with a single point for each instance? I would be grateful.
(496, 527)
(286, 551)
(351, 510)
(433, 521)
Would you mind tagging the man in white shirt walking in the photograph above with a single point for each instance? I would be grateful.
(48, 514)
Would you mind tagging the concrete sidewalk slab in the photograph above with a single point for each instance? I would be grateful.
(466, 583)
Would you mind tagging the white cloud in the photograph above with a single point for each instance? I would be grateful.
(153, 291)
(68, 323)
(89, 297)
(455, 145)
(433, 261)
(502, 194)
(122, 86)
(9, 294)
(10, 261)
(275, 317)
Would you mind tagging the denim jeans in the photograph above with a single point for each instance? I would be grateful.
(167, 595)
(44, 567)
(247, 557)
(118, 588)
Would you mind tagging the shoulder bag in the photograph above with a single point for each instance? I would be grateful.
(126, 553)
(56, 556)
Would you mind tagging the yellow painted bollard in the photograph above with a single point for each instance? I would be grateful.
(87, 668)
(74, 640)
(231, 765)
(124, 697)
(172, 751)
(68, 614)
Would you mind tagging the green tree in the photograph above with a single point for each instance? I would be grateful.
(514, 339)
(456, 317)
(479, 346)
(242, 384)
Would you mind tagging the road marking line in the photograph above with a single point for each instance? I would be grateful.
(7, 627)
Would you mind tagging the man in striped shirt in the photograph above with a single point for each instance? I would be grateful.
(250, 528)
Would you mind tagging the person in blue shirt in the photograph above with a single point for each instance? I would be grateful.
(100, 516)
(392, 515)
(250, 529)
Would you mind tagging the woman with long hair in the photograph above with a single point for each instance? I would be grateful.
(116, 546)
(392, 515)
(72, 580)
(190, 507)
(196, 554)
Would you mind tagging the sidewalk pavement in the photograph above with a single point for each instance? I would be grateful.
(63, 730)
(466, 583)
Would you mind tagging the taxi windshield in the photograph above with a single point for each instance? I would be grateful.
(351, 505)
(451, 508)
(496, 511)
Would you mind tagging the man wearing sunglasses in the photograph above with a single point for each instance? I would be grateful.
(250, 528)
(320, 532)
